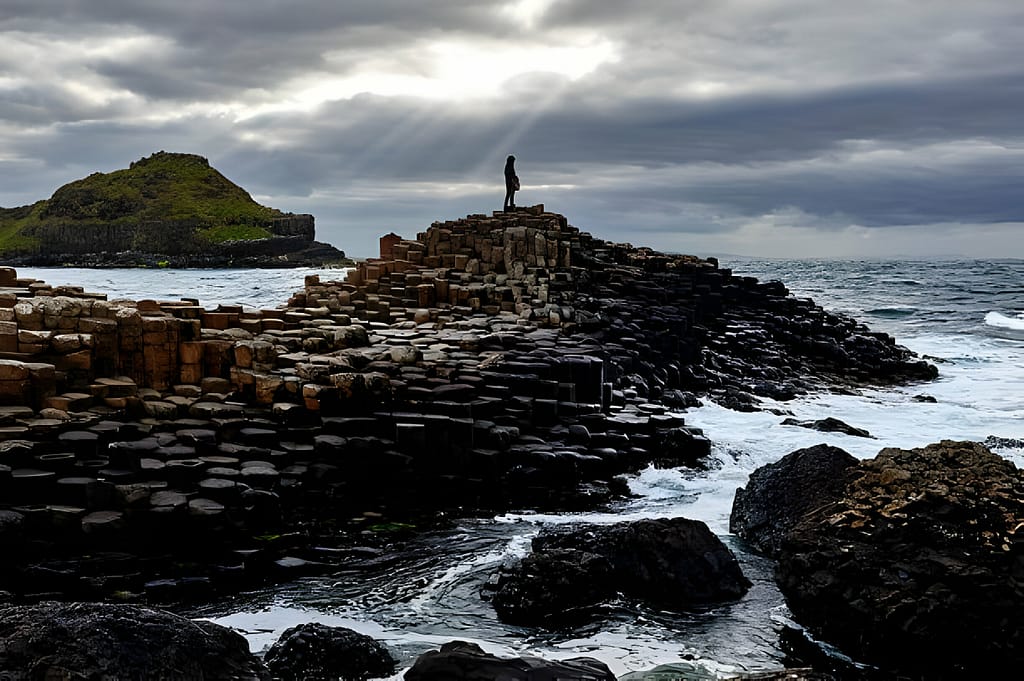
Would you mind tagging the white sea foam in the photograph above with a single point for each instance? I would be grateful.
(1000, 320)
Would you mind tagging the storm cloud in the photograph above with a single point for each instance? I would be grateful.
(782, 127)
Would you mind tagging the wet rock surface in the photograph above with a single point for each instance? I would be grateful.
(674, 563)
(100, 641)
(828, 425)
(317, 651)
(921, 551)
(777, 496)
(462, 661)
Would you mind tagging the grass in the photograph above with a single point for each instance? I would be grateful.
(13, 222)
(161, 187)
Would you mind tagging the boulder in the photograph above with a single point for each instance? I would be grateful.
(778, 495)
(918, 566)
(317, 651)
(12, 527)
(829, 425)
(462, 661)
(673, 563)
(554, 587)
(98, 641)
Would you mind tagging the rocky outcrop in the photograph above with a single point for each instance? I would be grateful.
(673, 563)
(642, 324)
(670, 321)
(270, 252)
(779, 495)
(171, 210)
(98, 641)
(462, 661)
(317, 651)
(914, 564)
(828, 425)
(169, 237)
(273, 252)
(498, 362)
(154, 427)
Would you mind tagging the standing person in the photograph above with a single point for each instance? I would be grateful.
(511, 183)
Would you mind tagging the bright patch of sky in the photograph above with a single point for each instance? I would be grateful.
(776, 126)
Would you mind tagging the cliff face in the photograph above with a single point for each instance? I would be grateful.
(171, 208)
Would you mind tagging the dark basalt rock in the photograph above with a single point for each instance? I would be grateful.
(462, 661)
(778, 495)
(803, 649)
(97, 641)
(918, 566)
(317, 651)
(673, 563)
(737, 400)
(12, 526)
(829, 425)
(554, 587)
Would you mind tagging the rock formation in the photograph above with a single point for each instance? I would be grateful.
(672, 563)
(497, 362)
(462, 661)
(165, 210)
(317, 651)
(913, 562)
(100, 641)
(779, 494)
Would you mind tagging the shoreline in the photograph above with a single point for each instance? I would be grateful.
(432, 394)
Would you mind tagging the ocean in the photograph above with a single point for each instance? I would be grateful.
(966, 316)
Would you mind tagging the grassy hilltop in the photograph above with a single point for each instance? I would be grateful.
(161, 188)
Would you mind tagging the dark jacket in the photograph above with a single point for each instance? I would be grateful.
(510, 174)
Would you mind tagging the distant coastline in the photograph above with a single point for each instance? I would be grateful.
(275, 253)
(165, 210)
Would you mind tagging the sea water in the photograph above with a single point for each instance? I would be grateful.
(965, 316)
(252, 288)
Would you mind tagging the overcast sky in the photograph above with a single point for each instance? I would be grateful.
(757, 127)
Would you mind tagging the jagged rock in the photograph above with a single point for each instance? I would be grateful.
(779, 494)
(682, 447)
(100, 641)
(553, 588)
(737, 400)
(462, 661)
(12, 526)
(672, 563)
(317, 651)
(828, 425)
(917, 566)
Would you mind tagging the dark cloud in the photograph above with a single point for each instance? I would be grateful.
(703, 116)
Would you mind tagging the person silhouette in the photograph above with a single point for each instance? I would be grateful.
(511, 183)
